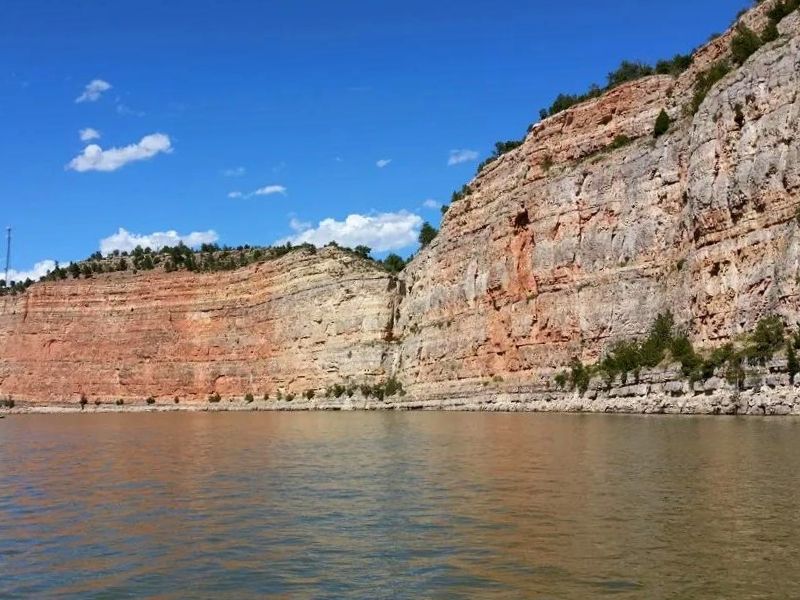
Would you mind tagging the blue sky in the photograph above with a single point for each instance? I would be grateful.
(253, 121)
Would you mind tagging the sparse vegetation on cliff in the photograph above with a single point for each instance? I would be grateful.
(705, 81)
(664, 342)
(209, 258)
(662, 124)
(501, 148)
(427, 234)
(394, 263)
(744, 43)
(626, 72)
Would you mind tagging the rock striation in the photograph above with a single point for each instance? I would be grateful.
(304, 321)
(558, 249)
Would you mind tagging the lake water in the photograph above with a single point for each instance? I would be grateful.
(398, 505)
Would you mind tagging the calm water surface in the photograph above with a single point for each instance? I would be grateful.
(407, 505)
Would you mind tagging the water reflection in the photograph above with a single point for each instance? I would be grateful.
(398, 506)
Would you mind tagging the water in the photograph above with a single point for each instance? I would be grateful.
(398, 505)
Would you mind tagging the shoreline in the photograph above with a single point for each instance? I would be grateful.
(771, 402)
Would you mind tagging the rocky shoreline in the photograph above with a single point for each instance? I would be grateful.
(783, 401)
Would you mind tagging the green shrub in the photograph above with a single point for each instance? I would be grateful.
(336, 391)
(393, 263)
(119, 402)
(683, 351)
(662, 124)
(579, 376)
(782, 9)
(744, 43)
(719, 357)
(620, 141)
(289, 396)
(214, 398)
(309, 394)
(561, 380)
(769, 33)
(151, 400)
(248, 397)
(460, 194)
(500, 148)
(765, 340)
(705, 81)
(652, 350)
(83, 401)
(628, 71)
(792, 364)
(624, 357)
(427, 234)
(393, 387)
(674, 66)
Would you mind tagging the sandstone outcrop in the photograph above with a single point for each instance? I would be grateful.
(561, 247)
(300, 322)
(537, 265)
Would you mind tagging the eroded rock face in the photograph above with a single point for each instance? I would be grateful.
(561, 248)
(301, 322)
(548, 260)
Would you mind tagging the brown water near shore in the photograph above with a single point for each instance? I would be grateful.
(398, 505)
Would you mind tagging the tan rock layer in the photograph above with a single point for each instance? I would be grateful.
(302, 322)
(533, 268)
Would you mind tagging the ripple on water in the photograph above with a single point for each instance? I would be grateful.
(411, 505)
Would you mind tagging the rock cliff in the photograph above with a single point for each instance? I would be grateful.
(559, 248)
(304, 321)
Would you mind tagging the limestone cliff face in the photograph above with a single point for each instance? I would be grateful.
(560, 249)
(304, 321)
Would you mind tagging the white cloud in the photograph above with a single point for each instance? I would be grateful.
(268, 190)
(431, 203)
(384, 162)
(381, 232)
(126, 111)
(40, 269)
(234, 172)
(125, 241)
(89, 134)
(298, 225)
(462, 155)
(94, 158)
(93, 90)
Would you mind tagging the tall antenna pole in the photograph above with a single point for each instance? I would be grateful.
(8, 251)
